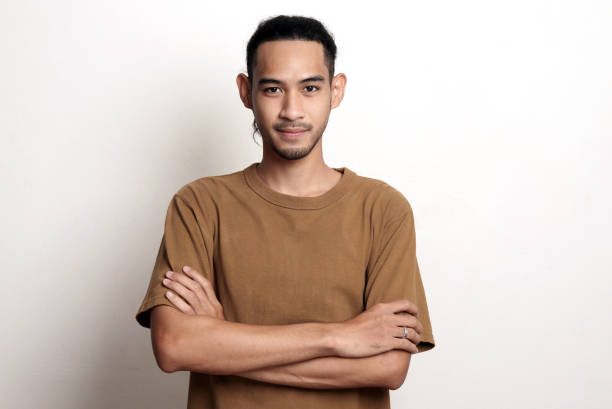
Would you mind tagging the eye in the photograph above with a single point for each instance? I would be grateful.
(268, 90)
(311, 86)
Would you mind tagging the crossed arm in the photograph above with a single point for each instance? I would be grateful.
(386, 370)
(299, 355)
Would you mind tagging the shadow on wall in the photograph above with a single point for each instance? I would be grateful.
(195, 138)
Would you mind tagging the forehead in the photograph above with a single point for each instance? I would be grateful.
(290, 59)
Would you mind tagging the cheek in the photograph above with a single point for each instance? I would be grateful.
(321, 113)
(265, 112)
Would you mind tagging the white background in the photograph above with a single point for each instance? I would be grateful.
(493, 119)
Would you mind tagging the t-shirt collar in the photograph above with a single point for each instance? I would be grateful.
(299, 202)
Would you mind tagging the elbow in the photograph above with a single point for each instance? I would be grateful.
(167, 365)
(396, 381)
(396, 378)
(174, 348)
(163, 351)
(163, 340)
(396, 366)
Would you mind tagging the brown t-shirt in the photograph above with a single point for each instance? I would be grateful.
(281, 259)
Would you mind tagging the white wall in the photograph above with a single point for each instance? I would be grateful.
(493, 118)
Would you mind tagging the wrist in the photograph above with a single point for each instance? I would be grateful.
(331, 337)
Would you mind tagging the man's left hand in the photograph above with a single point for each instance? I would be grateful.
(193, 294)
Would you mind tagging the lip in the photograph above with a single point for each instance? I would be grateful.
(292, 133)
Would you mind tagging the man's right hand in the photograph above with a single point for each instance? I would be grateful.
(379, 329)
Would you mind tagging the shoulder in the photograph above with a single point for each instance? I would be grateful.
(209, 190)
(386, 201)
(204, 197)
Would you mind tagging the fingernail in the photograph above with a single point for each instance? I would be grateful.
(186, 268)
(169, 274)
(166, 281)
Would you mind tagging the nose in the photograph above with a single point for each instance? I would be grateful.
(292, 106)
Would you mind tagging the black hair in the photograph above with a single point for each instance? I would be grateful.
(284, 27)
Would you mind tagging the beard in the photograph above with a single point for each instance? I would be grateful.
(292, 153)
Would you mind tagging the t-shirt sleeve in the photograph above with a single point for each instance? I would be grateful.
(393, 271)
(186, 241)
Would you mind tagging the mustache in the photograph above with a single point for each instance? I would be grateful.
(282, 125)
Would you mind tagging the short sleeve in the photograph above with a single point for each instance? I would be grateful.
(393, 271)
(186, 241)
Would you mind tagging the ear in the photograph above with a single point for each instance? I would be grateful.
(244, 88)
(337, 89)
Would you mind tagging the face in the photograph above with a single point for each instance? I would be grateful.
(291, 96)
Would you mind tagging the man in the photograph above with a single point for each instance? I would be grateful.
(288, 284)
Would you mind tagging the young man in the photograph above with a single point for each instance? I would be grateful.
(288, 284)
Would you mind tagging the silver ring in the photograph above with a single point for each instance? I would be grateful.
(405, 332)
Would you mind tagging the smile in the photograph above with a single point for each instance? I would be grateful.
(292, 134)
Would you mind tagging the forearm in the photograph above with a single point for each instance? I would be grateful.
(331, 372)
(205, 344)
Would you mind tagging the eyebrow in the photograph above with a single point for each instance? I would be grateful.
(316, 78)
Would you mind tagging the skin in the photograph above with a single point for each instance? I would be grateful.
(291, 88)
(193, 294)
(282, 96)
(293, 167)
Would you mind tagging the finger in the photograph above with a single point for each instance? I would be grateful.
(419, 328)
(213, 305)
(179, 302)
(187, 295)
(404, 305)
(187, 282)
(411, 334)
(204, 283)
(406, 345)
(198, 299)
(408, 320)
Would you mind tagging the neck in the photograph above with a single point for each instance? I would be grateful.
(309, 176)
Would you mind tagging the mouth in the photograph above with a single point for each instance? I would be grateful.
(292, 133)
